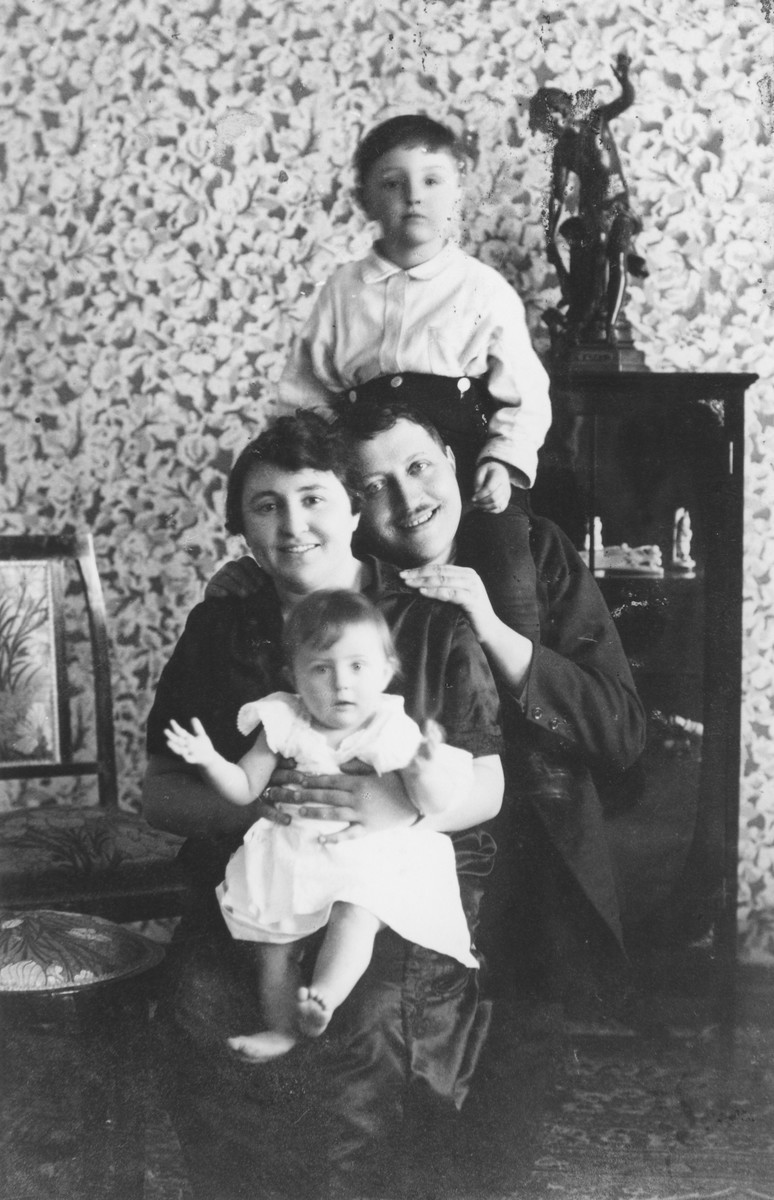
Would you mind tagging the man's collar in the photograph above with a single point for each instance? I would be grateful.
(375, 269)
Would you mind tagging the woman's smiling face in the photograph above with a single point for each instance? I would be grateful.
(299, 526)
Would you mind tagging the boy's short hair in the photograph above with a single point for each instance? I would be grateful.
(413, 129)
(319, 619)
(306, 440)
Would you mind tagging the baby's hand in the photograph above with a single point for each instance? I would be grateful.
(426, 778)
(194, 747)
(491, 487)
(432, 737)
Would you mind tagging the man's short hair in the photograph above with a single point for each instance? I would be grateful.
(413, 129)
(306, 440)
(366, 420)
(363, 421)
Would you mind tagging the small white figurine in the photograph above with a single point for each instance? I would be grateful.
(598, 545)
(623, 559)
(681, 542)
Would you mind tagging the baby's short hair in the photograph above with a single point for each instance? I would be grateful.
(319, 619)
(412, 129)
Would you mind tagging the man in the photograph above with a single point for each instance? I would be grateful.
(571, 715)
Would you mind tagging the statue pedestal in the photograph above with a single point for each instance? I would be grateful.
(601, 356)
(596, 355)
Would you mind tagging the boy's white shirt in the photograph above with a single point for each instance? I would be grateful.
(451, 315)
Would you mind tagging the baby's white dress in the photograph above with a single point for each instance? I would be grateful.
(281, 883)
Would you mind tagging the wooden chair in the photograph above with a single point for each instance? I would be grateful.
(76, 857)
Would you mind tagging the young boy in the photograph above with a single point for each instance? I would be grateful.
(420, 321)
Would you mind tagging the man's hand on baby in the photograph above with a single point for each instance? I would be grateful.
(491, 487)
(369, 803)
(195, 747)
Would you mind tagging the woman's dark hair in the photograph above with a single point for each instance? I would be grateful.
(321, 617)
(304, 441)
(414, 129)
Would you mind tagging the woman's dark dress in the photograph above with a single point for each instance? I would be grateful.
(414, 1023)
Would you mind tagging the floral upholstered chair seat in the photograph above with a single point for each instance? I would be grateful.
(90, 858)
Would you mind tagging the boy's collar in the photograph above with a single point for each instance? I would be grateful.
(375, 268)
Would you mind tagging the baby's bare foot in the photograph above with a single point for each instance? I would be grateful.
(262, 1047)
(313, 1013)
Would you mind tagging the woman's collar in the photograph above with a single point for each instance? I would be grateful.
(385, 578)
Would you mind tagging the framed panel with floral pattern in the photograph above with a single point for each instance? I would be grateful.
(29, 728)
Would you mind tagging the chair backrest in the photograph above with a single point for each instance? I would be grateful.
(36, 737)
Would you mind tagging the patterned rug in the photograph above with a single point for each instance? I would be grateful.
(682, 1110)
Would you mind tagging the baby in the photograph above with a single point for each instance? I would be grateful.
(420, 322)
(288, 881)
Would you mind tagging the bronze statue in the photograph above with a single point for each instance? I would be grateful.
(598, 226)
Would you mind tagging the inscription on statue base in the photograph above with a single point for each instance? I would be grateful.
(580, 359)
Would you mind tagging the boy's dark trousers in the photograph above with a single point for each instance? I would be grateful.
(496, 546)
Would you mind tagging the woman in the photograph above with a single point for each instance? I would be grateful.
(415, 1016)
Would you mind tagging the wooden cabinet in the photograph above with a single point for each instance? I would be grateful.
(634, 451)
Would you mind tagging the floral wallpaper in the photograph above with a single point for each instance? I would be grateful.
(176, 183)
